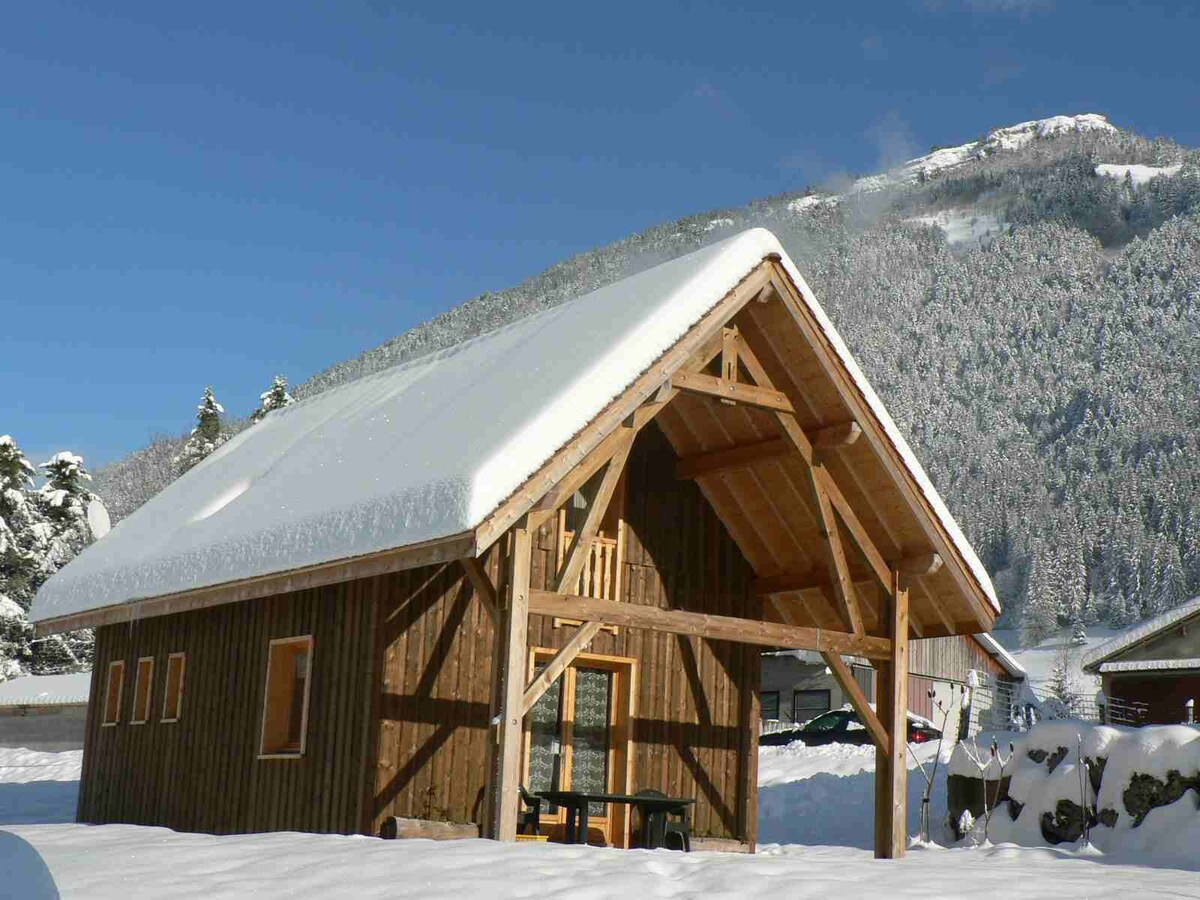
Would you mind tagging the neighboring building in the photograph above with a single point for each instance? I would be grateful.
(797, 684)
(1154, 667)
(44, 712)
(550, 557)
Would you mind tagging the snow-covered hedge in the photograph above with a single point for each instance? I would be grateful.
(1136, 789)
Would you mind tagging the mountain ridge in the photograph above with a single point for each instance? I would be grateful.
(1104, 273)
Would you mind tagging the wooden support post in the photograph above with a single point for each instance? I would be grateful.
(514, 652)
(891, 779)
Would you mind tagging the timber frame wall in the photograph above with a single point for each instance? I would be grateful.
(402, 671)
(695, 729)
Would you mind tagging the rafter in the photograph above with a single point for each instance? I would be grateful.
(792, 430)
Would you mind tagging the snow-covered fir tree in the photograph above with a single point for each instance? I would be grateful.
(206, 436)
(273, 398)
(41, 530)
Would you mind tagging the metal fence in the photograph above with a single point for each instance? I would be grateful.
(1007, 706)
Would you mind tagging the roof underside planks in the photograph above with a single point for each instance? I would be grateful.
(764, 503)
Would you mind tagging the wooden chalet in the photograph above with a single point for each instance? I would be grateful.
(579, 533)
(1152, 670)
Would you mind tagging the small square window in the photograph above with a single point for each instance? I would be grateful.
(285, 706)
(112, 692)
(809, 704)
(142, 685)
(173, 689)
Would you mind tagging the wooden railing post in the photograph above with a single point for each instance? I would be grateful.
(514, 649)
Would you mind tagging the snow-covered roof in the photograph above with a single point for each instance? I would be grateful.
(427, 449)
(46, 690)
(1002, 656)
(1139, 633)
(1149, 665)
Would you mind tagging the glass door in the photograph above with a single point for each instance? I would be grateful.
(575, 736)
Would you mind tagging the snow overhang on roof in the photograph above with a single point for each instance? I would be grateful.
(428, 449)
(996, 650)
(1093, 659)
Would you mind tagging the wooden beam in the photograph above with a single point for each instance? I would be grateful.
(427, 553)
(786, 582)
(741, 455)
(511, 714)
(558, 664)
(696, 342)
(858, 699)
(894, 829)
(737, 457)
(729, 355)
(723, 389)
(720, 628)
(483, 586)
(834, 437)
(916, 566)
(839, 567)
(581, 544)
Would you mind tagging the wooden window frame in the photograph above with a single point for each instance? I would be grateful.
(106, 722)
(306, 639)
(178, 711)
(621, 750)
(137, 685)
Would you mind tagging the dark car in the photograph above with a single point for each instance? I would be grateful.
(842, 726)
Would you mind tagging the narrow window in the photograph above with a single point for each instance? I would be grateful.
(285, 706)
(770, 704)
(112, 692)
(173, 690)
(142, 684)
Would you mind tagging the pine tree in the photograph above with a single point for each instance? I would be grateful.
(206, 436)
(275, 397)
(22, 536)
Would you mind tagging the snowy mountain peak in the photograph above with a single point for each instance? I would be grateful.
(1009, 138)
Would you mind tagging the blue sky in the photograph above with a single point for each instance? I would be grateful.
(212, 193)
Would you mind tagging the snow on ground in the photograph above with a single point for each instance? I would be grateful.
(38, 787)
(798, 786)
(1138, 174)
(963, 226)
(128, 862)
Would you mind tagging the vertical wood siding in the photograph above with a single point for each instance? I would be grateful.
(695, 726)
(202, 773)
(949, 658)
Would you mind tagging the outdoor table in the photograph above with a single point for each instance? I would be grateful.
(652, 810)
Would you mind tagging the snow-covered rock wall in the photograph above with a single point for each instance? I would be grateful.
(1134, 790)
